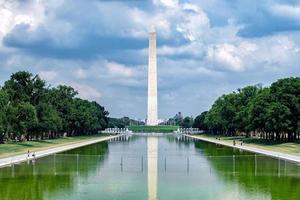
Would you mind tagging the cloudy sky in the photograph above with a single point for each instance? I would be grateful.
(205, 48)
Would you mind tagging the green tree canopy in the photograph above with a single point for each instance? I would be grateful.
(29, 108)
(272, 112)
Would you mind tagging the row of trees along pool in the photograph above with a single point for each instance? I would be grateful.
(272, 113)
(30, 109)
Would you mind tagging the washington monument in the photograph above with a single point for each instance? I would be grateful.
(152, 80)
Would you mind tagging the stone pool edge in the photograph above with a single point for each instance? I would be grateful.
(42, 153)
(273, 154)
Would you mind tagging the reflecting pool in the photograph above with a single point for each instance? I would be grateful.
(152, 167)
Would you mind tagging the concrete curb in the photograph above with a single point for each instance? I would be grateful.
(38, 154)
(273, 154)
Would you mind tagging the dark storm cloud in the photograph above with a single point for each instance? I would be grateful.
(41, 43)
(256, 17)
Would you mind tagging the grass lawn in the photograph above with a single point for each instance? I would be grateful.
(292, 148)
(11, 149)
(156, 129)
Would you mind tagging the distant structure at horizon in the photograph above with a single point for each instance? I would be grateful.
(152, 118)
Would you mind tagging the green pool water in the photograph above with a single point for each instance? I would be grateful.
(153, 167)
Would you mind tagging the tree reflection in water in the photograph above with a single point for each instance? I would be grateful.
(278, 179)
(58, 173)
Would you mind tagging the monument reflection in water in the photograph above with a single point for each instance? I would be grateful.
(152, 147)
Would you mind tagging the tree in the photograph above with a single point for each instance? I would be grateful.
(28, 108)
(187, 122)
(199, 121)
(245, 95)
(273, 113)
(220, 118)
(24, 120)
(38, 91)
(61, 98)
(277, 120)
(287, 92)
(19, 86)
(214, 120)
(116, 123)
(4, 104)
(48, 120)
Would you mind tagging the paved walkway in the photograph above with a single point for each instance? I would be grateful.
(274, 154)
(38, 154)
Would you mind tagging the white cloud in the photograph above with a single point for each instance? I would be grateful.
(86, 91)
(119, 70)
(24, 19)
(48, 75)
(6, 18)
(194, 26)
(193, 48)
(169, 17)
(277, 52)
(286, 11)
(229, 56)
(13, 13)
(167, 3)
(81, 73)
(141, 22)
(186, 18)
(247, 47)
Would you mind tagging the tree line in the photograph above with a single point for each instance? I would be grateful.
(123, 122)
(29, 109)
(271, 113)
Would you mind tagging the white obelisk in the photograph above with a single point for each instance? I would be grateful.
(152, 80)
